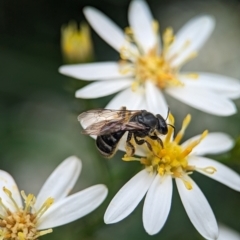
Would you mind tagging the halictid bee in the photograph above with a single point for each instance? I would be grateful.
(110, 125)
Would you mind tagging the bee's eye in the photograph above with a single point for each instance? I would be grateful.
(164, 130)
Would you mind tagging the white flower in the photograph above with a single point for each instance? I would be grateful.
(174, 161)
(51, 208)
(149, 67)
(225, 233)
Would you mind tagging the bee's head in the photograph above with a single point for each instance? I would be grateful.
(162, 126)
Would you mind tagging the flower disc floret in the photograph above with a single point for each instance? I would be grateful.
(21, 223)
(152, 65)
(172, 159)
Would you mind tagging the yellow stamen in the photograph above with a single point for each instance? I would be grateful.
(44, 232)
(29, 201)
(209, 170)
(127, 158)
(187, 184)
(193, 144)
(155, 26)
(128, 31)
(4, 207)
(44, 207)
(168, 39)
(170, 129)
(134, 86)
(185, 124)
(9, 194)
(193, 76)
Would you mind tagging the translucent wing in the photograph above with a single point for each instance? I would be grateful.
(100, 115)
(111, 126)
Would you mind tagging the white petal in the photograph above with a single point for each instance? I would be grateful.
(61, 181)
(157, 204)
(156, 102)
(128, 197)
(141, 21)
(7, 181)
(198, 209)
(195, 32)
(128, 98)
(92, 71)
(223, 174)
(213, 143)
(105, 27)
(73, 207)
(144, 104)
(203, 99)
(229, 87)
(101, 89)
(226, 233)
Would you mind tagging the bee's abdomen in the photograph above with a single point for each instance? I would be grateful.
(107, 144)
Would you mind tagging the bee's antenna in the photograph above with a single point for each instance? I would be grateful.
(172, 127)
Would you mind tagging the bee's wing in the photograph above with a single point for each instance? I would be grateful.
(100, 115)
(111, 126)
(133, 126)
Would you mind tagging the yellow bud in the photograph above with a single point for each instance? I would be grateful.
(76, 43)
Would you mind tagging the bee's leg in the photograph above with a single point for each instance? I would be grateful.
(130, 149)
(142, 141)
(155, 137)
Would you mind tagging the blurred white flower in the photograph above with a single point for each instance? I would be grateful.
(226, 233)
(149, 67)
(174, 161)
(51, 208)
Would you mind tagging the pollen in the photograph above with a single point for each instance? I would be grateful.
(20, 223)
(152, 65)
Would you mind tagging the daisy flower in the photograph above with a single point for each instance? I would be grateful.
(36, 216)
(174, 161)
(149, 66)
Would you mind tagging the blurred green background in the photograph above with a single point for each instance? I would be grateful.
(38, 110)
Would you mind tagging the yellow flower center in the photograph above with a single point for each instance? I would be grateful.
(172, 159)
(21, 224)
(152, 66)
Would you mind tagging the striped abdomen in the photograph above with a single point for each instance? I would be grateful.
(107, 144)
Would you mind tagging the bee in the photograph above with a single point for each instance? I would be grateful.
(110, 125)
